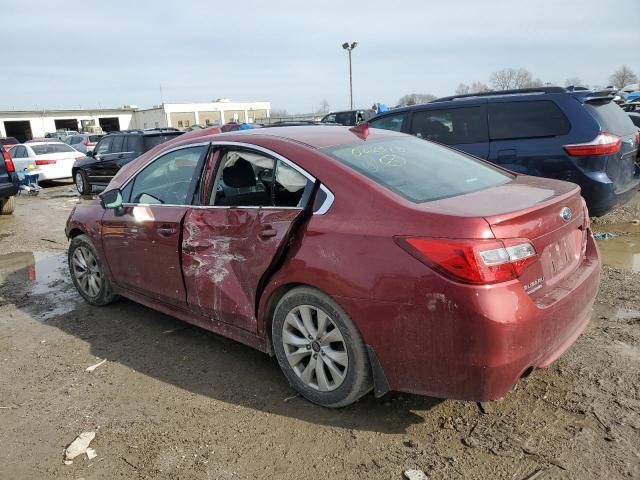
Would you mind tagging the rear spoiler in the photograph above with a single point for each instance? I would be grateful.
(596, 95)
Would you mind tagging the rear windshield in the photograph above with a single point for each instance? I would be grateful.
(52, 148)
(611, 117)
(418, 170)
(151, 141)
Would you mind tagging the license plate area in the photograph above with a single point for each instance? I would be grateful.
(561, 257)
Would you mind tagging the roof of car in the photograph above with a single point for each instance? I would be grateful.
(315, 136)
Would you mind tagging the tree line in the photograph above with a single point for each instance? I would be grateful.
(513, 78)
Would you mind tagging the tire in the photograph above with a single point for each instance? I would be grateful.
(7, 205)
(94, 286)
(336, 359)
(82, 183)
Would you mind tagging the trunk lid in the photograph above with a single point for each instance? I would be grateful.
(531, 208)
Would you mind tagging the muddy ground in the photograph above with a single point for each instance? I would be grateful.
(173, 401)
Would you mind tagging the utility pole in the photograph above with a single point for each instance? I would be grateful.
(349, 47)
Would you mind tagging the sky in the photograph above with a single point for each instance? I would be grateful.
(112, 53)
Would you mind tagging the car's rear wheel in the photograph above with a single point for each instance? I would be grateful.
(87, 273)
(7, 205)
(82, 183)
(319, 349)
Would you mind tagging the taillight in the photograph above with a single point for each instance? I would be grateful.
(87, 143)
(473, 261)
(604, 144)
(45, 162)
(8, 161)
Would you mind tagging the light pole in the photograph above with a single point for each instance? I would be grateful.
(348, 47)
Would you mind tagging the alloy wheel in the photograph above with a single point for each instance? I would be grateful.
(315, 348)
(87, 271)
(79, 182)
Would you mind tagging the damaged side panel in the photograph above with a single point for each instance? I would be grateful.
(225, 252)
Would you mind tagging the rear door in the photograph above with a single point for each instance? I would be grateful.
(463, 127)
(524, 135)
(142, 243)
(230, 243)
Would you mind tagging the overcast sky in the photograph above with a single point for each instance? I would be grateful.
(111, 53)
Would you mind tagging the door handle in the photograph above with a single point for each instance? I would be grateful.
(268, 232)
(167, 230)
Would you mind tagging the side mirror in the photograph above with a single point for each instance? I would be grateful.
(90, 153)
(111, 199)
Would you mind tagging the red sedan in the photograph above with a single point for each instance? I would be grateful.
(362, 259)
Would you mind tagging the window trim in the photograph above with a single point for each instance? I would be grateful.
(326, 205)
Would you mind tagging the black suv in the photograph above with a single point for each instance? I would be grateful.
(8, 183)
(580, 136)
(112, 152)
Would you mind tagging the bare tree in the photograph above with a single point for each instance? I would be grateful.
(574, 82)
(462, 89)
(510, 78)
(623, 77)
(478, 87)
(416, 98)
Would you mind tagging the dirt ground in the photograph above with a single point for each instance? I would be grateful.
(176, 402)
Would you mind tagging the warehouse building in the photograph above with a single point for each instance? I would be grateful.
(27, 124)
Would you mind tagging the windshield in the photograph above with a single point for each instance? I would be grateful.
(51, 148)
(418, 170)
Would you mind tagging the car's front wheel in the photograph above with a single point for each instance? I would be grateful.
(88, 273)
(319, 348)
(82, 183)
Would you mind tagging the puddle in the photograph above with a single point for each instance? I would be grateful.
(620, 246)
(44, 276)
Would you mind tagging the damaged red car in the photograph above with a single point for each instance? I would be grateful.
(363, 259)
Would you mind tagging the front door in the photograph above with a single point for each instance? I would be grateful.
(142, 242)
(228, 246)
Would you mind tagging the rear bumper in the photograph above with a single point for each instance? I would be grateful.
(602, 198)
(9, 189)
(474, 343)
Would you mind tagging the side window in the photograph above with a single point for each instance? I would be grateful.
(526, 120)
(77, 140)
(252, 179)
(104, 145)
(19, 152)
(451, 126)
(168, 179)
(116, 146)
(389, 122)
(244, 179)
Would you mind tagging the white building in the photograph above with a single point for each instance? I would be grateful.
(184, 115)
(28, 124)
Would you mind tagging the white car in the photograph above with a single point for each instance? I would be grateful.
(53, 160)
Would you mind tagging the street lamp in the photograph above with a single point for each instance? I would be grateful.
(348, 47)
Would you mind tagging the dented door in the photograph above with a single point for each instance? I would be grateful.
(225, 252)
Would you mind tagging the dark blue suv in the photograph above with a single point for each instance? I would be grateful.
(580, 136)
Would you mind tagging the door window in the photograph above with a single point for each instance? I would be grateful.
(168, 180)
(252, 179)
(104, 145)
(117, 145)
(451, 126)
(389, 122)
(526, 120)
(19, 152)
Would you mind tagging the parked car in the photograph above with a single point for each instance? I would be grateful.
(580, 136)
(360, 258)
(635, 118)
(83, 142)
(53, 160)
(60, 134)
(8, 183)
(112, 152)
(8, 142)
(348, 117)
